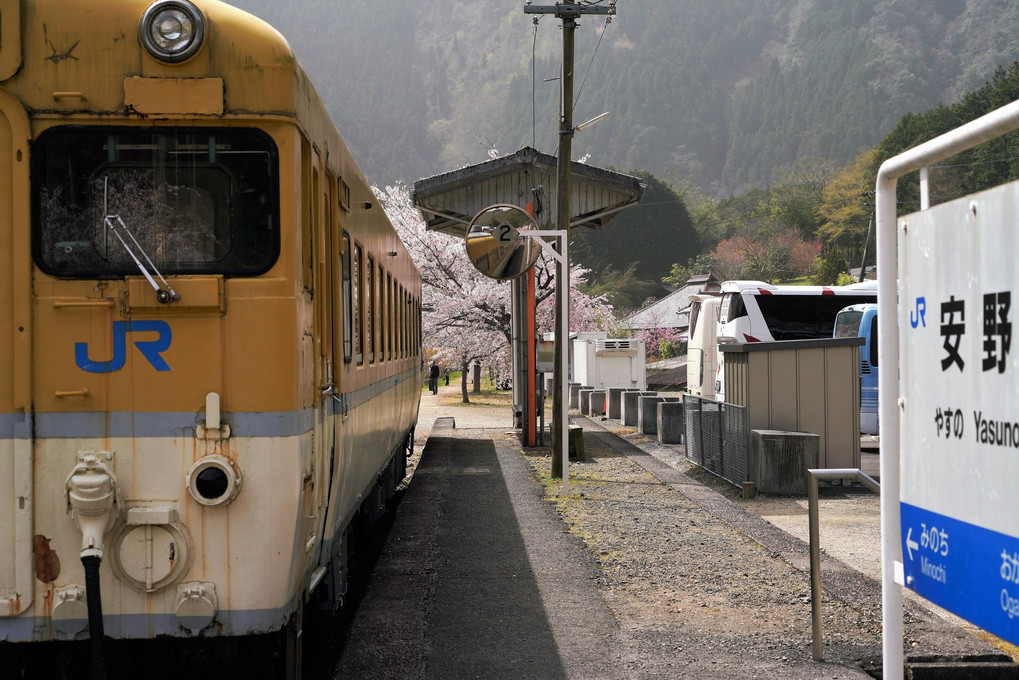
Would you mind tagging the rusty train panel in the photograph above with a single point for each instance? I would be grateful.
(180, 307)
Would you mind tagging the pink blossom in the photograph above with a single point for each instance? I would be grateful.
(466, 315)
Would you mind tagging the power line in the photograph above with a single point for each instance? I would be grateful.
(587, 73)
(605, 28)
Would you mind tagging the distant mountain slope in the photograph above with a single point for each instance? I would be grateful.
(724, 94)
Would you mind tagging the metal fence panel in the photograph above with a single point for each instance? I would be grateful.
(717, 437)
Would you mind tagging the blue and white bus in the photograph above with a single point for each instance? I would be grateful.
(860, 321)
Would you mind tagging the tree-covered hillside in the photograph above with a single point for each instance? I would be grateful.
(723, 95)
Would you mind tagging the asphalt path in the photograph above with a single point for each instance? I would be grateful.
(479, 579)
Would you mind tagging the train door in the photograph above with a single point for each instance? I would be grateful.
(324, 295)
(314, 492)
(334, 544)
(16, 472)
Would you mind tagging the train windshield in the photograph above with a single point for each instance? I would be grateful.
(196, 200)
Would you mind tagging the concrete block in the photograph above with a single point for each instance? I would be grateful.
(647, 414)
(615, 402)
(779, 460)
(631, 401)
(598, 403)
(576, 443)
(585, 400)
(671, 422)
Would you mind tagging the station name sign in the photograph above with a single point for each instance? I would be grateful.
(959, 436)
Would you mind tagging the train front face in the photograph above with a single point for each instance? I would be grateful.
(156, 380)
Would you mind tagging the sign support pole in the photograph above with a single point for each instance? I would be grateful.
(531, 397)
(563, 356)
(891, 404)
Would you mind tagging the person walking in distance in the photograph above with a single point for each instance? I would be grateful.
(433, 378)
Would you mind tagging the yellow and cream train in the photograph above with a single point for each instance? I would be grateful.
(209, 331)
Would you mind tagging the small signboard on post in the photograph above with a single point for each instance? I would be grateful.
(545, 356)
(960, 406)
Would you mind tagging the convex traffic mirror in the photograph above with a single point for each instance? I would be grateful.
(495, 244)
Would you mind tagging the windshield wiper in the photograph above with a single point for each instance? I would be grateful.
(164, 295)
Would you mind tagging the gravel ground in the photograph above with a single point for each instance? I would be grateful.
(700, 598)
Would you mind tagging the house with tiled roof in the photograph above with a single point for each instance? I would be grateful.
(673, 310)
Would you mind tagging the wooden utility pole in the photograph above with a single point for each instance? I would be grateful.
(568, 13)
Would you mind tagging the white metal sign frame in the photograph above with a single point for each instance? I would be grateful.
(563, 332)
(892, 404)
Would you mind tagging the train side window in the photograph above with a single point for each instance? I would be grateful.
(402, 340)
(415, 335)
(357, 303)
(383, 313)
(345, 296)
(194, 200)
(390, 318)
(344, 195)
(309, 190)
(369, 309)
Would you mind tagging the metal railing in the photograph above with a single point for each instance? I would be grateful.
(717, 437)
(813, 477)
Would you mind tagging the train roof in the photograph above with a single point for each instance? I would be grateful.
(69, 60)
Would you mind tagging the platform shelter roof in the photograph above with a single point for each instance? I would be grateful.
(449, 201)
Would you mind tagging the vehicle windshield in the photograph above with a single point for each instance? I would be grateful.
(847, 324)
(732, 308)
(197, 200)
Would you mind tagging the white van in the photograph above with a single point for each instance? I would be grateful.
(702, 350)
(754, 311)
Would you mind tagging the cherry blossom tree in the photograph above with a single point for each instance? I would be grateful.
(587, 312)
(658, 337)
(466, 315)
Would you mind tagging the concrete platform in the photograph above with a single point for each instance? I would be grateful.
(480, 577)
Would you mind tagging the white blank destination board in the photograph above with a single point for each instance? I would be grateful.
(958, 277)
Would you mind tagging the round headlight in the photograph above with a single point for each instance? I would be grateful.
(172, 30)
(214, 480)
